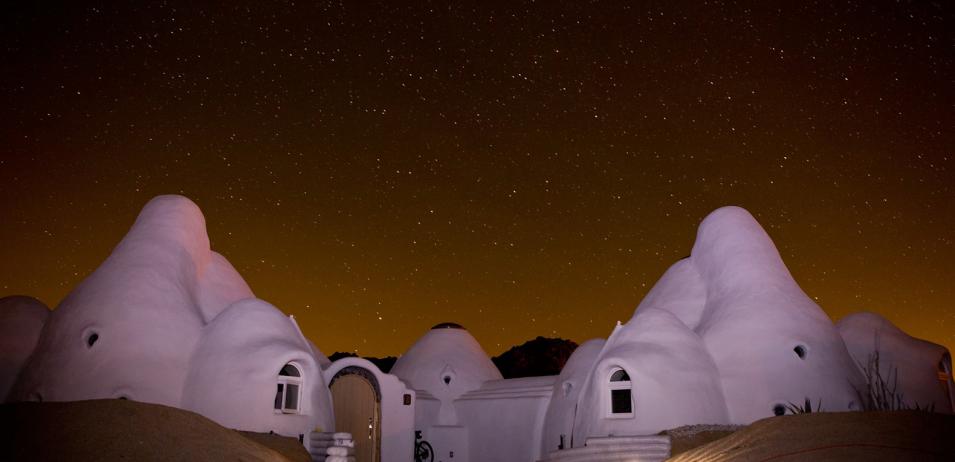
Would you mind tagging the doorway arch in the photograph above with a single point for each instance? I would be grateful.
(356, 397)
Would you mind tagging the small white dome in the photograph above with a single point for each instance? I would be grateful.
(918, 365)
(446, 361)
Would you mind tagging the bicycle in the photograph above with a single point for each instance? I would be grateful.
(423, 452)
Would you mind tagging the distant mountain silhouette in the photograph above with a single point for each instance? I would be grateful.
(541, 356)
(384, 364)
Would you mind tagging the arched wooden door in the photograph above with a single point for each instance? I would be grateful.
(358, 411)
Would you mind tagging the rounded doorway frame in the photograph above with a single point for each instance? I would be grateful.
(369, 376)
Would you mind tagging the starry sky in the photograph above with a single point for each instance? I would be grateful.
(521, 168)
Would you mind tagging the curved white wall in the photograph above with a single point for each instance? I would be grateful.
(445, 352)
(673, 380)
(565, 395)
(233, 372)
(756, 315)
(397, 418)
(21, 321)
(913, 361)
(140, 307)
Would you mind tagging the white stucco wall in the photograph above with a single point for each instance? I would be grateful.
(397, 418)
(233, 372)
(445, 352)
(565, 395)
(673, 380)
(21, 321)
(755, 315)
(505, 418)
(142, 304)
(147, 307)
(913, 362)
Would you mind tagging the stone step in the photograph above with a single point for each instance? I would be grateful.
(652, 448)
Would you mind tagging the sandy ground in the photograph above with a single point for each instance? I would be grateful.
(683, 439)
(836, 436)
(120, 430)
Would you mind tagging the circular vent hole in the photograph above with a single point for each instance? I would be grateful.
(92, 339)
(800, 351)
(447, 380)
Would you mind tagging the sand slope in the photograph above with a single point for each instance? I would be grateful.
(113, 430)
(836, 436)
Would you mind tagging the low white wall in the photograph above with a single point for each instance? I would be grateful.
(505, 418)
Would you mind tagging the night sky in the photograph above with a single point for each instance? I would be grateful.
(521, 168)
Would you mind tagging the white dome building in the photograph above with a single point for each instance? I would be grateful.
(725, 336)
(445, 363)
(254, 355)
(922, 370)
(166, 320)
(129, 328)
(21, 321)
(561, 411)
(652, 374)
(771, 343)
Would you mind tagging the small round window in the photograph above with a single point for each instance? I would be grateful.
(91, 339)
(801, 351)
(447, 380)
(779, 409)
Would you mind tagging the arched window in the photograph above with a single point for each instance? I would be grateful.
(621, 394)
(289, 390)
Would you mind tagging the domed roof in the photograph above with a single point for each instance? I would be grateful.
(769, 341)
(917, 363)
(130, 327)
(21, 320)
(248, 344)
(446, 361)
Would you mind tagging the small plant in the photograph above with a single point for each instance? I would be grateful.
(806, 408)
(881, 392)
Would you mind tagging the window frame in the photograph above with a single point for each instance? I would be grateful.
(619, 385)
(282, 390)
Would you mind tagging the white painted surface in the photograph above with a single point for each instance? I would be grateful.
(441, 353)
(562, 410)
(234, 370)
(504, 418)
(914, 361)
(148, 305)
(713, 342)
(21, 320)
(143, 303)
(397, 419)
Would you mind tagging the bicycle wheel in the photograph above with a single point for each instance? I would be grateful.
(424, 452)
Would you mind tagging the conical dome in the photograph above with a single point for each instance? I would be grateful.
(771, 343)
(446, 361)
(129, 328)
(726, 335)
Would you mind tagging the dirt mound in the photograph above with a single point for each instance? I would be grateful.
(113, 430)
(836, 436)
